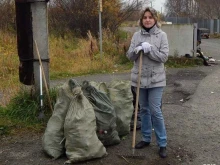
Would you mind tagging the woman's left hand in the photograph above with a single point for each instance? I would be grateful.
(146, 47)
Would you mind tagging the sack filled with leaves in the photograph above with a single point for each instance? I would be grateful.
(104, 112)
(53, 138)
(121, 97)
(102, 86)
(81, 142)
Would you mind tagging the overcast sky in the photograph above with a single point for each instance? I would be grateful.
(157, 4)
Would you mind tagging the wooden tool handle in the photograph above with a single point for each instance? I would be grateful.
(137, 99)
(44, 77)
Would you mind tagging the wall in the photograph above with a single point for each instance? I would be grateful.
(180, 38)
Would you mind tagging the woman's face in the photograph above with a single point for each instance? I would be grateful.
(148, 20)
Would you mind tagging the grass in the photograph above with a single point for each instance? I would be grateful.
(78, 57)
(183, 62)
(8, 66)
(21, 113)
(24, 107)
(69, 56)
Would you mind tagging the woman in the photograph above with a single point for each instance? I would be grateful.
(153, 42)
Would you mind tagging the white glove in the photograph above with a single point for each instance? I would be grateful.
(146, 47)
(138, 49)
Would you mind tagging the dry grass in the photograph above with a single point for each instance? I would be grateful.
(77, 57)
(69, 57)
(9, 84)
(215, 35)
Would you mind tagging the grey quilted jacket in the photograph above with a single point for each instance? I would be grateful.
(153, 71)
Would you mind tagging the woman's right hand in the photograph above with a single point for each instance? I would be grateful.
(138, 49)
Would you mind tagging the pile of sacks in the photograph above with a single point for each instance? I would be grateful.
(86, 118)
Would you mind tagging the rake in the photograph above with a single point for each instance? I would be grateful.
(42, 76)
(133, 155)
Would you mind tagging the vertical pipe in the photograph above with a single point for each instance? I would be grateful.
(41, 87)
(100, 26)
(195, 27)
(218, 26)
(211, 22)
(176, 18)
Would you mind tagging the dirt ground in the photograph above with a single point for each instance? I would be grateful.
(185, 146)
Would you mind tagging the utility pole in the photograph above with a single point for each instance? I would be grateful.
(100, 26)
(32, 25)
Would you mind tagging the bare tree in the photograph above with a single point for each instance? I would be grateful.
(132, 8)
(217, 8)
(175, 7)
(82, 15)
(193, 8)
(209, 8)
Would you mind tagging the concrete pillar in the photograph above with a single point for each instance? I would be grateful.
(211, 26)
(218, 26)
(188, 20)
(32, 25)
(195, 25)
(40, 35)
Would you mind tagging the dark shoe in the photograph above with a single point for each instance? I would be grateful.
(162, 152)
(142, 144)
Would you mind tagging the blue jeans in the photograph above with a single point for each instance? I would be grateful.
(151, 115)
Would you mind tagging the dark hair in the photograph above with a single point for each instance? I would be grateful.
(154, 15)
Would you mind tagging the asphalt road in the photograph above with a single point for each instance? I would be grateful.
(211, 47)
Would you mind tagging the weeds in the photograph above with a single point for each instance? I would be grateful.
(4, 130)
(22, 112)
(84, 56)
(25, 106)
(215, 35)
(181, 62)
(8, 67)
